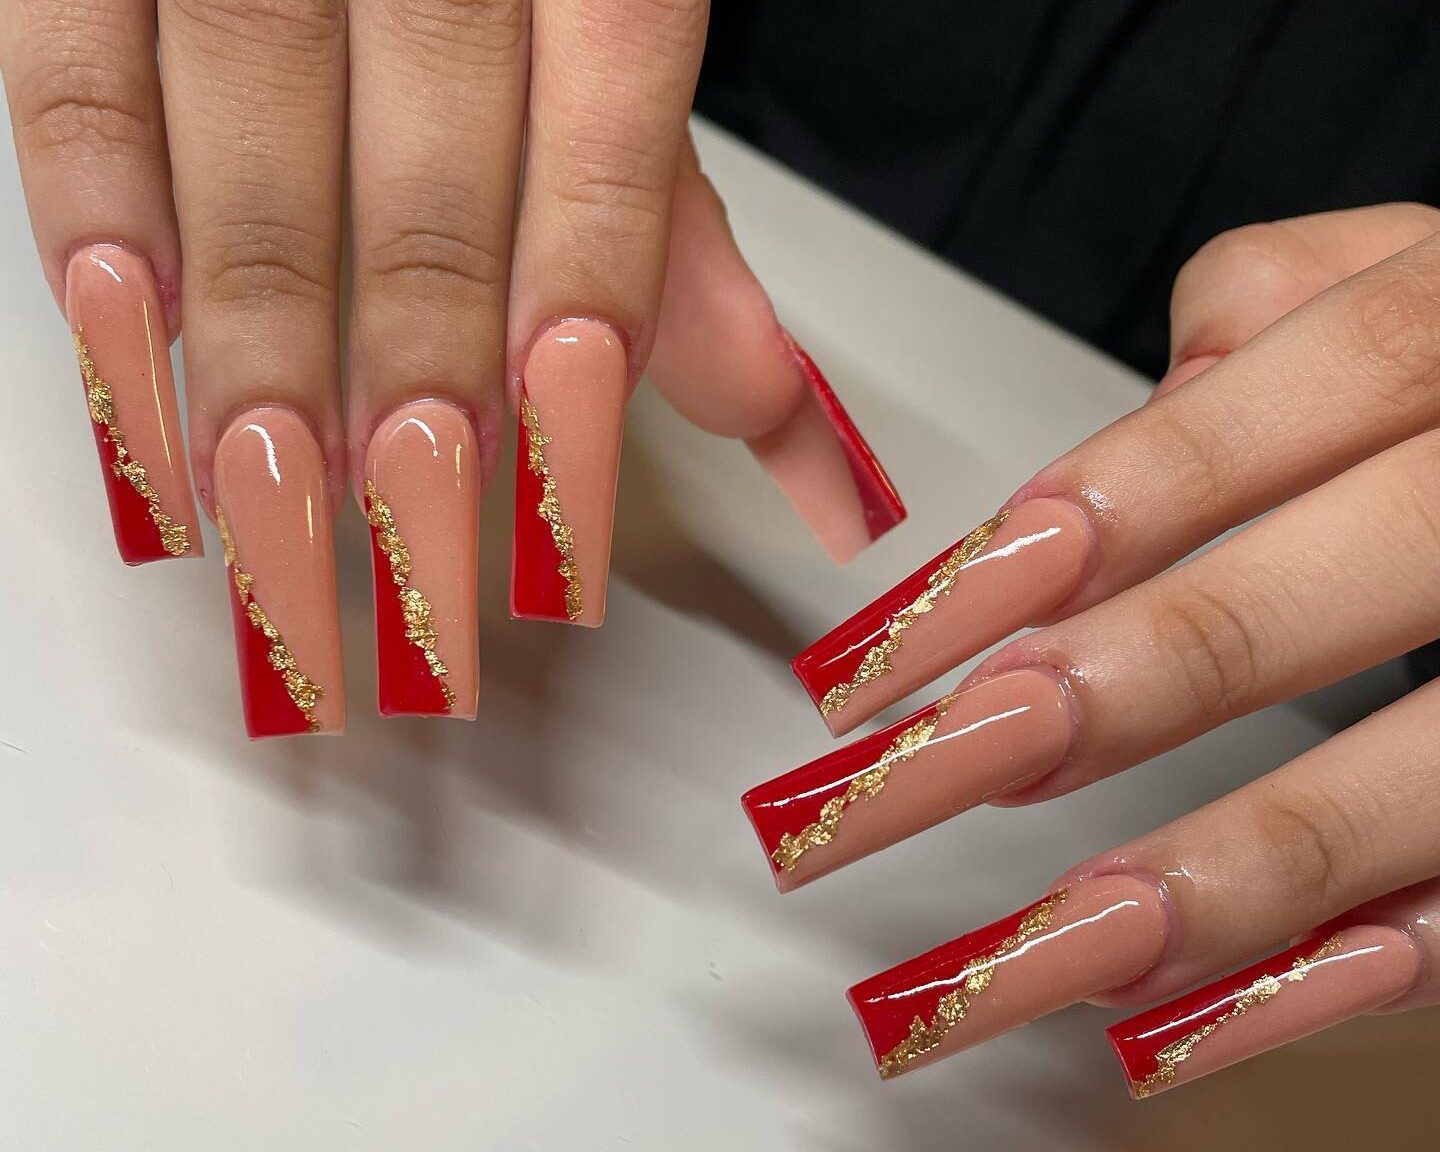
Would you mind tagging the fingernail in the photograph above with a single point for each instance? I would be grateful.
(828, 472)
(943, 760)
(1312, 986)
(118, 323)
(572, 411)
(1006, 573)
(422, 499)
(1077, 942)
(273, 511)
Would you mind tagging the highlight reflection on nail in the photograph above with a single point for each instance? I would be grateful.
(1311, 986)
(1009, 571)
(943, 760)
(1095, 935)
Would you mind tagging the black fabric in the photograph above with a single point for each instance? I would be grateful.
(1074, 154)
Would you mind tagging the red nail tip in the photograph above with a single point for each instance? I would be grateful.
(881, 502)
(790, 802)
(1139, 1040)
(269, 710)
(887, 1003)
(406, 685)
(136, 535)
(836, 657)
(537, 588)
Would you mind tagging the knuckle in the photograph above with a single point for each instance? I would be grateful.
(270, 27)
(1197, 456)
(495, 27)
(611, 186)
(1325, 855)
(82, 107)
(668, 26)
(1214, 644)
(1392, 319)
(1241, 254)
(424, 261)
(256, 261)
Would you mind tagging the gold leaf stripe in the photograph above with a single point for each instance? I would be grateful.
(549, 508)
(1169, 1058)
(302, 690)
(954, 1006)
(419, 620)
(174, 537)
(866, 786)
(877, 660)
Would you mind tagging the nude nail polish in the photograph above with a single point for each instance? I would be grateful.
(1314, 985)
(826, 469)
(946, 758)
(422, 500)
(273, 510)
(118, 324)
(572, 409)
(1008, 572)
(1077, 942)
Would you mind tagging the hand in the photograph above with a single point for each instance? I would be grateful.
(1307, 359)
(462, 294)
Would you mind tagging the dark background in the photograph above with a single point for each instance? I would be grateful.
(1073, 154)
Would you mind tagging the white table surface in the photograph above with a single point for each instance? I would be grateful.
(553, 929)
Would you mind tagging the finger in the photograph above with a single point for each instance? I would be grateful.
(1330, 384)
(436, 121)
(1262, 865)
(610, 90)
(722, 359)
(1244, 280)
(1381, 957)
(255, 95)
(84, 95)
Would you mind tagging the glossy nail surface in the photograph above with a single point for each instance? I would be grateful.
(1312, 986)
(422, 499)
(118, 323)
(273, 510)
(1008, 572)
(943, 760)
(572, 408)
(1076, 943)
(827, 470)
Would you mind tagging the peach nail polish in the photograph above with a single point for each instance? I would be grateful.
(1314, 985)
(1077, 942)
(943, 760)
(118, 323)
(572, 411)
(422, 499)
(273, 510)
(1005, 574)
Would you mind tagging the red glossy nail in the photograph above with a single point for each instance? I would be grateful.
(1304, 989)
(1006, 573)
(943, 760)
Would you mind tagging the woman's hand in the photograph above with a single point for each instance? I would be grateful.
(1306, 385)
(463, 294)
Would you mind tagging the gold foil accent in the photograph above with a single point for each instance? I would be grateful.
(866, 786)
(877, 660)
(174, 538)
(1169, 1058)
(549, 508)
(419, 622)
(302, 690)
(954, 1006)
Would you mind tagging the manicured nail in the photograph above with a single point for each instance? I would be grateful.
(828, 472)
(422, 498)
(1312, 986)
(943, 760)
(1006, 573)
(1096, 935)
(118, 322)
(273, 511)
(572, 412)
